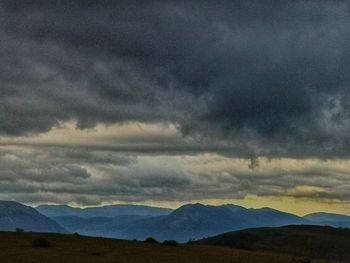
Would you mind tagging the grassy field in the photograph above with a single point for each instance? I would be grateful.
(18, 247)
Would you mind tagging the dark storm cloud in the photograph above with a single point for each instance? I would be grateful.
(269, 76)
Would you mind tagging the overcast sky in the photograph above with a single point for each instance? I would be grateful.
(168, 102)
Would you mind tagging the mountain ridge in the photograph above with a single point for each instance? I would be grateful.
(14, 215)
(329, 219)
(192, 221)
(105, 211)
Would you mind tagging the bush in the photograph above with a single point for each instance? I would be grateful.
(19, 230)
(170, 243)
(41, 242)
(241, 240)
(191, 241)
(96, 254)
(151, 240)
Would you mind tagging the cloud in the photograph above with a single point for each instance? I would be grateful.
(90, 177)
(173, 100)
(231, 71)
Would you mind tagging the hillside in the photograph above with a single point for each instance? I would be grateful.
(17, 247)
(194, 221)
(329, 219)
(98, 226)
(15, 215)
(321, 242)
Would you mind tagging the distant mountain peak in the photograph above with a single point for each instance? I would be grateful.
(16, 215)
(195, 205)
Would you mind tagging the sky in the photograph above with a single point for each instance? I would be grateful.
(170, 102)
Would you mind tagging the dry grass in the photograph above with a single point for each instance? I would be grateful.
(17, 247)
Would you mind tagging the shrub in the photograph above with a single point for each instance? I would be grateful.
(19, 230)
(41, 242)
(151, 240)
(170, 243)
(241, 240)
(96, 254)
(191, 241)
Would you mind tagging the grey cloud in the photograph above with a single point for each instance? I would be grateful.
(37, 174)
(257, 73)
(42, 175)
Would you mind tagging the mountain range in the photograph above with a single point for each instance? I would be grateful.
(102, 211)
(190, 221)
(194, 221)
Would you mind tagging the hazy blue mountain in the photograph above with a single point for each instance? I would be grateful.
(271, 217)
(198, 221)
(103, 211)
(58, 210)
(330, 219)
(191, 221)
(85, 226)
(118, 210)
(15, 215)
(98, 226)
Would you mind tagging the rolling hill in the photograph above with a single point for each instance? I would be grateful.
(15, 215)
(329, 219)
(321, 242)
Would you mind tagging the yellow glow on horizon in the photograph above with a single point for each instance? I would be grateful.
(68, 133)
(297, 206)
